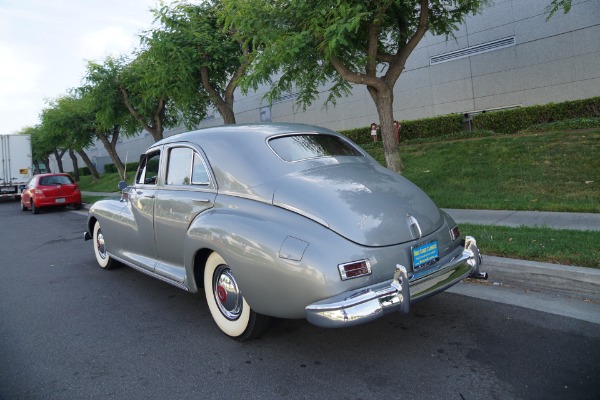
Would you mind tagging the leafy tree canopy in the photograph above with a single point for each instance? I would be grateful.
(317, 45)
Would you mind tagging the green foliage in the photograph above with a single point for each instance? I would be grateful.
(111, 168)
(103, 95)
(556, 5)
(314, 45)
(84, 171)
(569, 247)
(580, 113)
(569, 124)
(518, 119)
(309, 44)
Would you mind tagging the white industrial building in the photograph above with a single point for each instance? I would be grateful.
(506, 56)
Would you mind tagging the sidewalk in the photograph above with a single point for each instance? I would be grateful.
(585, 281)
(554, 220)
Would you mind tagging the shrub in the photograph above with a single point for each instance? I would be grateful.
(112, 169)
(505, 122)
(84, 171)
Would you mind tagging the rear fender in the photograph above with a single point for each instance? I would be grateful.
(282, 261)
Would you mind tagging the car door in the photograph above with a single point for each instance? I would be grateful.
(139, 244)
(187, 191)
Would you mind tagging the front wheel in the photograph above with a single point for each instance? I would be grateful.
(102, 256)
(227, 306)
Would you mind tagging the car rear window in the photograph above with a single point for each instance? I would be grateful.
(56, 180)
(305, 146)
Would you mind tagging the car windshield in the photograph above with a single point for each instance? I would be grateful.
(55, 180)
(302, 147)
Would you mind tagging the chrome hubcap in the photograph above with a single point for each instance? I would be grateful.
(100, 246)
(227, 294)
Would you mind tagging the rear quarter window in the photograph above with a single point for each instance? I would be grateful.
(307, 146)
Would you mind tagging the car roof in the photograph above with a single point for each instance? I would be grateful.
(242, 161)
(254, 130)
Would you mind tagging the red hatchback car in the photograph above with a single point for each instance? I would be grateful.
(46, 190)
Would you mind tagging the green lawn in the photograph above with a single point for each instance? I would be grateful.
(555, 171)
(106, 183)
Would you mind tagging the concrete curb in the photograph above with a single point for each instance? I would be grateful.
(543, 275)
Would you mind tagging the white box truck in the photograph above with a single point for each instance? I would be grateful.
(15, 164)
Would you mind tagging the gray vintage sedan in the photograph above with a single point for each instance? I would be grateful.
(281, 220)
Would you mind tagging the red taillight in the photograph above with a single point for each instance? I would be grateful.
(354, 269)
(455, 233)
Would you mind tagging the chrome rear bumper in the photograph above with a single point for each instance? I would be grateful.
(369, 303)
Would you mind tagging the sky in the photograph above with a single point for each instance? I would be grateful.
(46, 44)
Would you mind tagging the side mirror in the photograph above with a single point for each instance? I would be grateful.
(122, 185)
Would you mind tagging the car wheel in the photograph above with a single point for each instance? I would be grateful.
(34, 209)
(77, 206)
(102, 256)
(23, 207)
(227, 306)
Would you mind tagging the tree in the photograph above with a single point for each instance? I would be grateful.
(556, 5)
(341, 43)
(202, 55)
(40, 147)
(70, 125)
(156, 96)
(103, 97)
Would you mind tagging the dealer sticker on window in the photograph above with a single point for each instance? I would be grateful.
(425, 254)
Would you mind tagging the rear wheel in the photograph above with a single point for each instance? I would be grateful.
(102, 256)
(34, 209)
(227, 306)
(23, 207)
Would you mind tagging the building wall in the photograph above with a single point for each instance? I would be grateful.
(550, 61)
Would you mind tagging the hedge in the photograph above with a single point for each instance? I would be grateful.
(84, 171)
(505, 122)
(112, 169)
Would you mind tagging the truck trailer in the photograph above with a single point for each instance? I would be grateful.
(15, 164)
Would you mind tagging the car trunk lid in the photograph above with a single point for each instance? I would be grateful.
(366, 204)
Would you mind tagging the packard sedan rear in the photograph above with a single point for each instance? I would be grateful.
(281, 220)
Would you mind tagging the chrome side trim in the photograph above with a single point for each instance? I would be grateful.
(150, 273)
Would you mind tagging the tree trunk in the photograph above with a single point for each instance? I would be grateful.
(89, 164)
(226, 112)
(110, 147)
(75, 165)
(58, 156)
(384, 100)
(46, 161)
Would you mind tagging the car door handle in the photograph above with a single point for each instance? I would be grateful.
(201, 200)
(141, 193)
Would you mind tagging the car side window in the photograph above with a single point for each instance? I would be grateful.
(148, 171)
(199, 171)
(179, 170)
(186, 167)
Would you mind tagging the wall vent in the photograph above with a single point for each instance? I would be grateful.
(473, 50)
(286, 97)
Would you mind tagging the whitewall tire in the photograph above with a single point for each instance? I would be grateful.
(227, 306)
(102, 256)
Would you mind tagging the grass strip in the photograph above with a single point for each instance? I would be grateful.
(567, 247)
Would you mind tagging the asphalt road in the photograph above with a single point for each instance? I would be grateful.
(69, 330)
